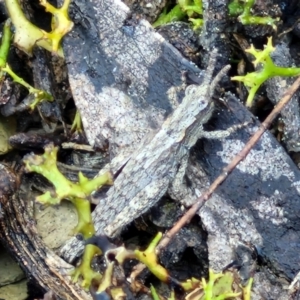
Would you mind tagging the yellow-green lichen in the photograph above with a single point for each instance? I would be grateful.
(77, 123)
(242, 9)
(268, 70)
(218, 287)
(37, 95)
(45, 165)
(149, 258)
(27, 35)
(192, 9)
(77, 193)
(5, 44)
(84, 271)
(61, 23)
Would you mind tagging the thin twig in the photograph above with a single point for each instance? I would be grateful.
(229, 168)
(75, 146)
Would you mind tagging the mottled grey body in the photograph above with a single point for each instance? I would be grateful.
(159, 164)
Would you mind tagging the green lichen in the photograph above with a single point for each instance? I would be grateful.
(27, 35)
(191, 6)
(218, 287)
(175, 14)
(268, 70)
(45, 165)
(85, 224)
(61, 23)
(194, 11)
(84, 271)
(5, 43)
(77, 193)
(149, 258)
(37, 95)
(242, 8)
(85, 227)
(77, 123)
(155, 295)
(107, 277)
(185, 8)
(190, 284)
(247, 289)
(8, 127)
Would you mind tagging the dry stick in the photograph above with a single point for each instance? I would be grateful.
(229, 168)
